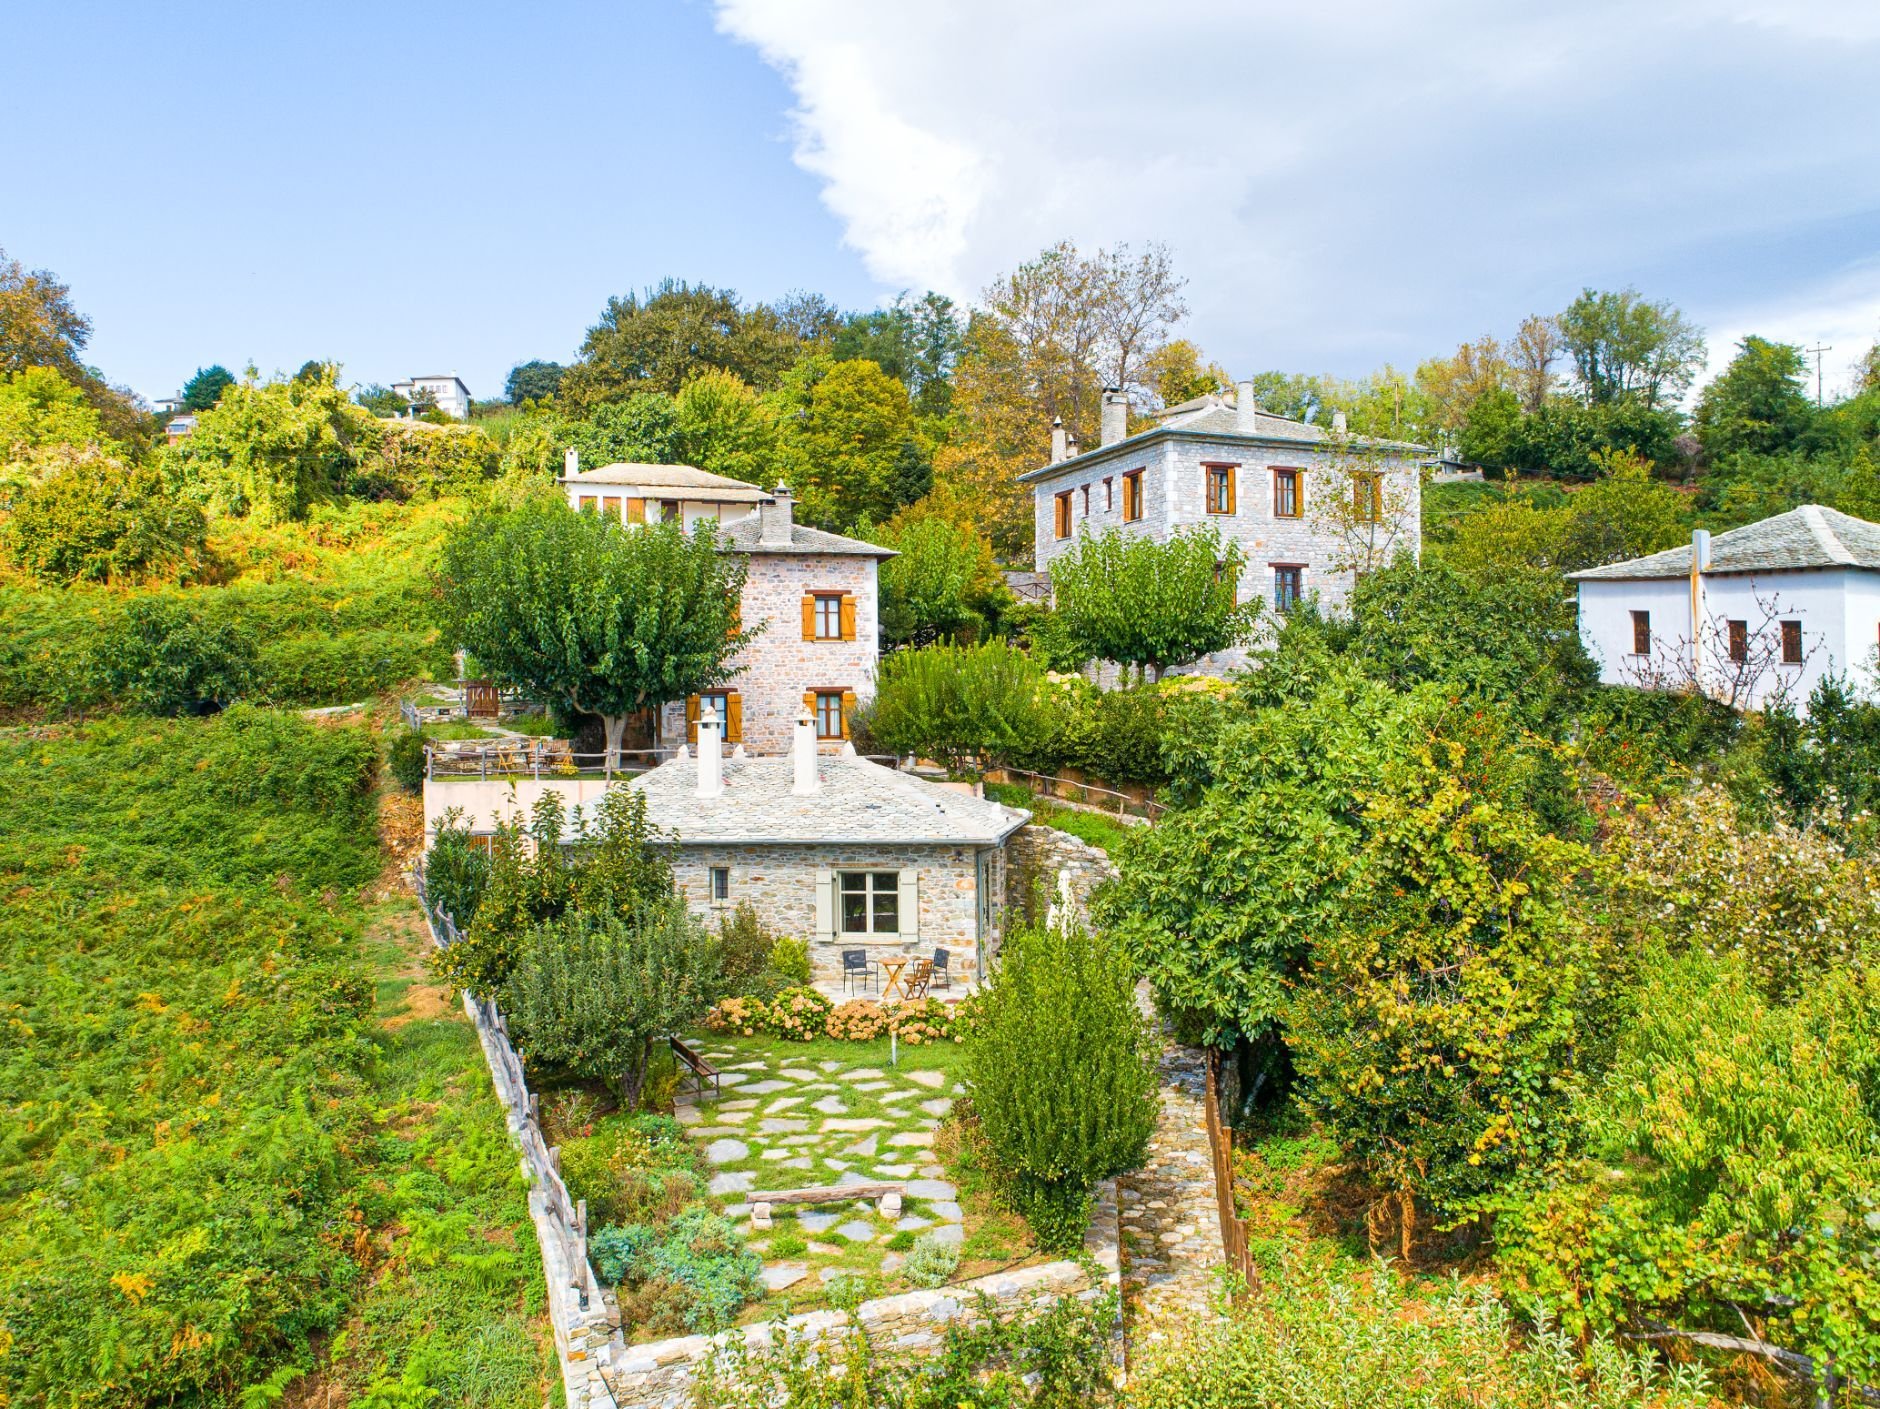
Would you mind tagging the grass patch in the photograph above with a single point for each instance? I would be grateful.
(1103, 832)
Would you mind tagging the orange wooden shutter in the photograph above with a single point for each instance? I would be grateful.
(610, 507)
(734, 718)
(809, 703)
(636, 511)
(691, 719)
(848, 707)
(848, 617)
(1233, 488)
(809, 617)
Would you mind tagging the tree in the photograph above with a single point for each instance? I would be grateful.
(38, 407)
(1625, 348)
(1537, 346)
(593, 993)
(202, 391)
(721, 425)
(1174, 373)
(660, 340)
(1454, 384)
(1624, 513)
(1757, 405)
(943, 580)
(960, 704)
(1365, 504)
(605, 619)
(90, 517)
(840, 429)
(910, 478)
(381, 400)
(642, 428)
(532, 381)
(1127, 598)
(39, 327)
(314, 370)
(1062, 1067)
(168, 657)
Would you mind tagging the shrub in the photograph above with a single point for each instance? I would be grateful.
(929, 1020)
(1128, 598)
(167, 658)
(404, 759)
(641, 1170)
(960, 703)
(1062, 1068)
(697, 1272)
(96, 519)
(858, 1020)
(748, 1016)
(455, 872)
(744, 947)
(800, 1014)
(789, 962)
(931, 1262)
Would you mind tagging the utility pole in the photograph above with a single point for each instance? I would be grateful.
(1816, 352)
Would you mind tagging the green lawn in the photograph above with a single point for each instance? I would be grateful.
(1105, 833)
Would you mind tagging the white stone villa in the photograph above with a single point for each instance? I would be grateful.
(449, 393)
(811, 595)
(1268, 483)
(1764, 611)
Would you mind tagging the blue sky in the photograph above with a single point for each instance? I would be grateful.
(1344, 184)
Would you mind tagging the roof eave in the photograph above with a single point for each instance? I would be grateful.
(1044, 472)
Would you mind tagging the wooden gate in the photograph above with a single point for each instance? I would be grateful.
(481, 700)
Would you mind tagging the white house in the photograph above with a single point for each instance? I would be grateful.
(1763, 611)
(451, 396)
(811, 597)
(1308, 507)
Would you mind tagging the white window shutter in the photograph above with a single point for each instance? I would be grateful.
(910, 904)
(825, 904)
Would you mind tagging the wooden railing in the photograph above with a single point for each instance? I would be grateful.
(534, 758)
(1221, 1149)
(1077, 790)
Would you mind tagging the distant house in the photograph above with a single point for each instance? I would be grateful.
(180, 428)
(449, 394)
(1266, 482)
(167, 405)
(1761, 613)
(812, 597)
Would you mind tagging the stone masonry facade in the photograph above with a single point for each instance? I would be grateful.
(776, 669)
(1174, 481)
(780, 881)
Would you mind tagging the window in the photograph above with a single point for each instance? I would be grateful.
(721, 884)
(828, 616)
(1739, 640)
(1062, 515)
(1367, 497)
(726, 704)
(589, 501)
(829, 720)
(1132, 496)
(1641, 633)
(871, 902)
(610, 507)
(1289, 582)
(1286, 496)
(1220, 489)
(1791, 643)
(1086, 504)
(668, 510)
(1109, 493)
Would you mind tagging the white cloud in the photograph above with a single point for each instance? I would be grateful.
(1348, 182)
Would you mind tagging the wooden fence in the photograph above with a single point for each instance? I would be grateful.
(1221, 1148)
(1078, 790)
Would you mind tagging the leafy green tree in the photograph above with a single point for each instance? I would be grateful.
(1757, 405)
(1624, 513)
(39, 326)
(1127, 598)
(722, 426)
(942, 582)
(641, 429)
(960, 704)
(202, 391)
(662, 339)
(910, 478)
(918, 342)
(38, 407)
(840, 429)
(1062, 1067)
(418, 460)
(592, 993)
(381, 400)
(603, 619)
(169, 657)
(532, 381)
(92, 518)
(1625, 348)
(314, 370)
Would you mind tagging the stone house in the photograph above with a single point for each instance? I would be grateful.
(1762, 612)
(812, 597)
(1308, 506)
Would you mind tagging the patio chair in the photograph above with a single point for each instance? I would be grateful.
(855, 966)
(942, 975)
(915, 981)
(559, 755)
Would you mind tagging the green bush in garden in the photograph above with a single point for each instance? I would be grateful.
(695, 1274)
(931, 1262)
(1062, 1068)
(956, 704)
(456, 871)
(404, 759)
(168, 659)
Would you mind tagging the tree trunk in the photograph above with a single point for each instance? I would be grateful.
(616, 725)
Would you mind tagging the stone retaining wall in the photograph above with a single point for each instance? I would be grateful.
(1045, 862)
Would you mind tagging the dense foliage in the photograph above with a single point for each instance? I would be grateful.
(954, 703)
(1125, 597)
(86, 517)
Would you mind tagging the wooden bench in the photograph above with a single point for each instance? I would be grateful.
(890, 1195)
(702, 1070)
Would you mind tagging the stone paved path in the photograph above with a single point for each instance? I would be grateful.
(1171, 1243)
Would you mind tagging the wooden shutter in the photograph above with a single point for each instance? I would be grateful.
(734, 718)
(636, 511)
(691, 719)
(825, 904)
(909, 906)
(848, 617)
(1233, 488)
(809, 708)
(848, 708)
(610, 507)
(809, 616)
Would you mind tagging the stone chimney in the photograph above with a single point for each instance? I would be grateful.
(571, 462)
(777, 513)
(1058, 442)
(1070, 445)
(1338, 423)
(711, 753)
(1115, 423)
(803, 754)
(1246, 408)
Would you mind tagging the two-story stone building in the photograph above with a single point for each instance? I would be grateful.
(1308, 507)
(811, 597)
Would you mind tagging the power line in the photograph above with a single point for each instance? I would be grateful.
(1816, 352)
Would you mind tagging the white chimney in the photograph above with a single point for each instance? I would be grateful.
(1070, 445)
(1058, 442)
(777, 513)
(711, 754)
(1246, 409)
(1700, 550)
(1338, 423)
(571, 462)
(1115, 419)
(803, 751)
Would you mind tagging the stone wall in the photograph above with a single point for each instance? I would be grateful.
(777, 668)
(1044, 860)
(661, 1374)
